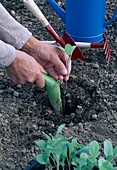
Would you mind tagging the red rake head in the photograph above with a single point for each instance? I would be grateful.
(77, 54)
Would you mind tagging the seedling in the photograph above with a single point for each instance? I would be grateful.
(61, 153)
(74, 77)
(53, 87)
(69, 50)
(57, 150)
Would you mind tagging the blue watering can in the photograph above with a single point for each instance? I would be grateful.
(84, 19)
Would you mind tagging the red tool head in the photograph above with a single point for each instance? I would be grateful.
(77, 54)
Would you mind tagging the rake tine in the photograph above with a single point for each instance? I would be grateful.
(106, 48)
(108, 55)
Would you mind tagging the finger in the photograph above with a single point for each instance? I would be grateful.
(66, 78)
(40, 82)
(68, 63)
(63, 57)
(60, 77)
(53, 73)
(60, 67)
(59, 61)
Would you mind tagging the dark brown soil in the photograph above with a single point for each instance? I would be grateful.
(90, 100)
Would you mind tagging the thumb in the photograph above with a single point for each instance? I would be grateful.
(40, 82)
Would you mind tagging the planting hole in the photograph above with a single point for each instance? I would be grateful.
(69, 105)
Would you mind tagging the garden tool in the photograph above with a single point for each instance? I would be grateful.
(66, 39)
(103, 44)
(81, 44)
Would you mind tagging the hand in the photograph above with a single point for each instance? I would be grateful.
(51, 57)
(25, 69)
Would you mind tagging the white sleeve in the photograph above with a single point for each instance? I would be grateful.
(12, 32)
(7, 54)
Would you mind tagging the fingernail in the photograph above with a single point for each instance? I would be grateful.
(66, 78)
(64, 71)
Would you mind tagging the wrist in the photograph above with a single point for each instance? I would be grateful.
(30, 46)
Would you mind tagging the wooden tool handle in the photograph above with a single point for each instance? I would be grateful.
(31, 5)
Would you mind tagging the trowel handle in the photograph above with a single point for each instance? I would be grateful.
(30, 4)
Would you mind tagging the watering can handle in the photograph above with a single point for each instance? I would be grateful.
(58, 9)
(112, 19)
(30, 4)
(61, 12)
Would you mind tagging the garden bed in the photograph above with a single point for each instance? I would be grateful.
(90, 100)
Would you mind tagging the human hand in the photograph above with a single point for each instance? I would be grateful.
(51, 57)
(25, 69)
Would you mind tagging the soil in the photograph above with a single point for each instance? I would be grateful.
(90, 99)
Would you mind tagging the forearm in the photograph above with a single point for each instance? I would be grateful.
(7, 54)
(11, 31)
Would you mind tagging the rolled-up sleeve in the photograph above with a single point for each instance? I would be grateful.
(12, 32)
(7, 54)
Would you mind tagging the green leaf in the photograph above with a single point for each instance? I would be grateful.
(60, 137)
(108, 150)
(52, 143)
(60, 128)
(105, 165)
(90, 164)
(64, 145)
(57, 149)
(78, 161)
(94, 149)
(47, 136)
(64, 153)
(101, 161)
(84, 149)
(41, 144)
(75, 161)
(69, 49)
(41, 159)
(74, 77)
(75, 144)
(84, 156)
(115, 152)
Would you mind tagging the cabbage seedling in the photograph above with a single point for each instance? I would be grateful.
(69, 50)
(53, 87)
(60, 153)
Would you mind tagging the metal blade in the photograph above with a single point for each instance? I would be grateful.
(77, 54)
